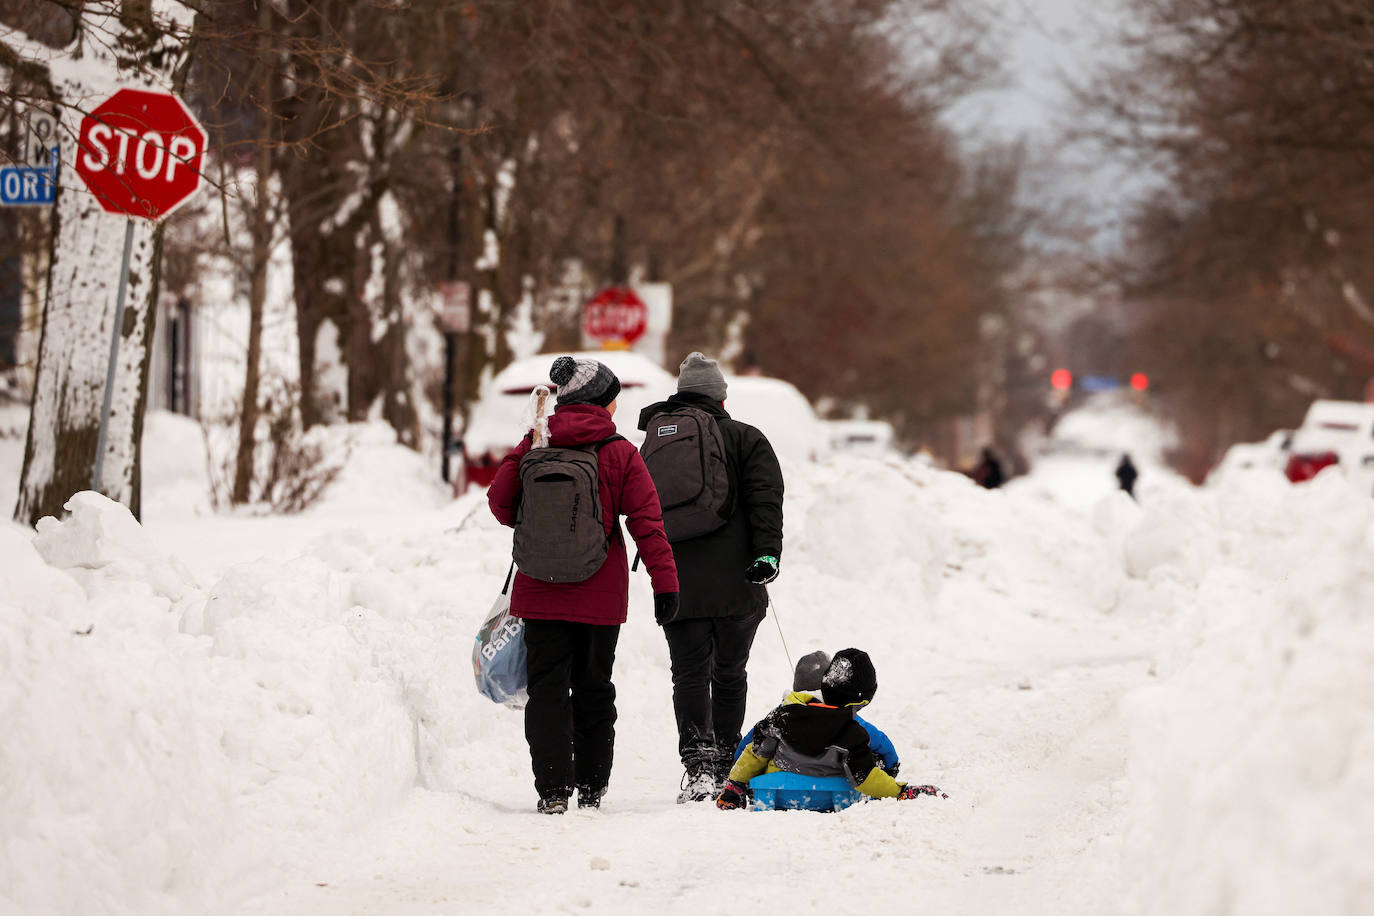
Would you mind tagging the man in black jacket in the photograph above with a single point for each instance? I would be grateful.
(721, 575)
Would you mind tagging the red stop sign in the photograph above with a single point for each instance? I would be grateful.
(615, 314)
(140, 153)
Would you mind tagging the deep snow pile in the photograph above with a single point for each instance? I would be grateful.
(1252, 761)
(192, 707)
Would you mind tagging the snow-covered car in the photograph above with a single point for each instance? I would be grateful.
(860, 437)
(497, 420)
(1271, 454)
(782, 412)
(1339, 433)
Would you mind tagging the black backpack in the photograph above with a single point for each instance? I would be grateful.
(685, 454)
(559, 532)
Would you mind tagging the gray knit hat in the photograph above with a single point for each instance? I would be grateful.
(701, 375)
(809, 671)
(584, 381)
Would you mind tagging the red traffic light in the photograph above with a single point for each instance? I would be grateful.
(1140, 381)
(1061, 379)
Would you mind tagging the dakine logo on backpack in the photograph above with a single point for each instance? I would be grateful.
(686, 458)
(556, 538)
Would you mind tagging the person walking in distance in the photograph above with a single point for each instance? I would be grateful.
(564, 500)
(988, 472)
(721, 489)
(1126, 475)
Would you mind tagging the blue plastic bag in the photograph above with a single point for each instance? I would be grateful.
(498, 655)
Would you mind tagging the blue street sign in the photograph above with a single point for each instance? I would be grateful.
(29, 186)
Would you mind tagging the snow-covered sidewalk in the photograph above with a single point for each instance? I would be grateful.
(1163, 708)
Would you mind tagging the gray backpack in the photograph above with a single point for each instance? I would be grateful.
(685, 454)
(559, 532)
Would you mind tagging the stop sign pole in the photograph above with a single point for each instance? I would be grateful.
(114, 356)
(140, 153)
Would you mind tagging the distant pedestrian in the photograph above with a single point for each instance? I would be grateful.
(988, 471)
(1126, 475)
(572, 623)
(721, 488)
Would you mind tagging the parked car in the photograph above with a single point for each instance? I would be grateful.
(861, 437)
(1270, 454)
(1334, 433)
(498, 418)
(783, 414)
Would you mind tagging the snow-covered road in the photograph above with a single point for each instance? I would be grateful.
(270, 716)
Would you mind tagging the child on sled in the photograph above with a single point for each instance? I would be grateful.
(807, 735)
(806, 682)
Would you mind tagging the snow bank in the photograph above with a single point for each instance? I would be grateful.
(163, 744)
(377, 473)
(176, 468)
(1252, 762)
(173, 742)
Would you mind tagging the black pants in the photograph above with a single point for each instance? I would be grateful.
(570, 717)
(710, 685)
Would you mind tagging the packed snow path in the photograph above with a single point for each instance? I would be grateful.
(1009, 704)
(1155, 708)
(1034, 831)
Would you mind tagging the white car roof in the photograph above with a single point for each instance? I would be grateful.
(1356, 412)
(1333, 426)
(781, 412)
(633, 369)
(497, 419)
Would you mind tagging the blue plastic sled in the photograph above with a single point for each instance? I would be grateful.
(793, 792)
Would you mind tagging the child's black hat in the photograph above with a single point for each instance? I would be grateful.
(850, 679)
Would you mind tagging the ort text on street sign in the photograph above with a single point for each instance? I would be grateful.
(615, 315)
(141, 153)
(25, 186)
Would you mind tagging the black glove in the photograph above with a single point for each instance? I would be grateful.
(665, 607)
(732, 796)
(911, 791)
(762, 571)
(892, 770)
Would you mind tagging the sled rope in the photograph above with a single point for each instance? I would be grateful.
(778, 623)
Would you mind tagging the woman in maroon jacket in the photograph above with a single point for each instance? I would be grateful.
(571, 628)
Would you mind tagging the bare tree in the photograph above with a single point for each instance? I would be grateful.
(111, 45)
(1248, 281)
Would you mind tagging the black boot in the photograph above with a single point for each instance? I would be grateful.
(554, 803)
(698, 786)
(724, 762)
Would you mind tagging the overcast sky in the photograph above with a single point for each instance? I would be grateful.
(1042, 42)
(1043, 45)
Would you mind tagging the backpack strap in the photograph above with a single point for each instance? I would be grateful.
(595, 448)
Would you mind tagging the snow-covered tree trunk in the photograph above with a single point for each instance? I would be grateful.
(262, 255)
(143, 48)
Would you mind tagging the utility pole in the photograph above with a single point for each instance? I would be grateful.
(456, 311)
